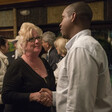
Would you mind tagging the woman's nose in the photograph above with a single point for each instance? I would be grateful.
(36, 40)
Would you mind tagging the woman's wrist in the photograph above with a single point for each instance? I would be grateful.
(34, 96)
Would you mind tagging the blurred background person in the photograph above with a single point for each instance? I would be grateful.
(59, 44)
(3, 64)
(17, 52)
(52, 57)
(27, 75)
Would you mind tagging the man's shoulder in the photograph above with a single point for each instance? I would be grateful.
(87, 43)
(53, 51)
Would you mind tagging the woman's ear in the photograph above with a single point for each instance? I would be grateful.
(73, 17)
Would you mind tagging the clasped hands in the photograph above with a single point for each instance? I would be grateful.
(44, 96)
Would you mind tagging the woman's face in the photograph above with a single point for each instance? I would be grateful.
(34, 45)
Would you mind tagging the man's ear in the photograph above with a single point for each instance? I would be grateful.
(73, 17)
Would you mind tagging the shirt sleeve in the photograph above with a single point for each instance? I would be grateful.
(83, 76)
(12, 84)
(54, 97)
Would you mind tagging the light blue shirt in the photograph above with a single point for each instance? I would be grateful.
(84, 80)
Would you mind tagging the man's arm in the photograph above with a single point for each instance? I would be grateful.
(51, 95)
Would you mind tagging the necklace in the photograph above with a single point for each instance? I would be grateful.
(45, 80)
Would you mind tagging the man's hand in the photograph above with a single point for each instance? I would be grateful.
(46, 97)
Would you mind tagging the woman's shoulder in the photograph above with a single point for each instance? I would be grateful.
(17, 62)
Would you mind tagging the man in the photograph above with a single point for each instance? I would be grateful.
(84, 80)
(48, 39)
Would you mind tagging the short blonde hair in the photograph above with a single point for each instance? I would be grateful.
(60, 43)
(26, 32)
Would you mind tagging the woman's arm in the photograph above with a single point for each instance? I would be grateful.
(12, 84)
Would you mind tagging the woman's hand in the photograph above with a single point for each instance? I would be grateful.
(46, 97)
(35, 96)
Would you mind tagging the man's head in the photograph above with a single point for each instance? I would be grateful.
(48, 39)
(75, 17)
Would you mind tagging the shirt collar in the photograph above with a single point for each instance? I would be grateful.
(75, 37)
(48, 51)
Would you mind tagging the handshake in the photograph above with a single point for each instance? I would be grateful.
(44, 96)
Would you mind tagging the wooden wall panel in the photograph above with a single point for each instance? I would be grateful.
(5, 2)
(6, 18)
(54, 14)
(37, 15)
(98, 10)
(7, 34)
(108, 11)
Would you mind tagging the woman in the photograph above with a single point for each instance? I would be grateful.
(59, 44)
(3, 64)
(27, 75)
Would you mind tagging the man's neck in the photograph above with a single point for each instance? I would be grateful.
(75, 30)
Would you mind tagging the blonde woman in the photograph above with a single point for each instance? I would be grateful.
(27, 75)
(59, 44)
